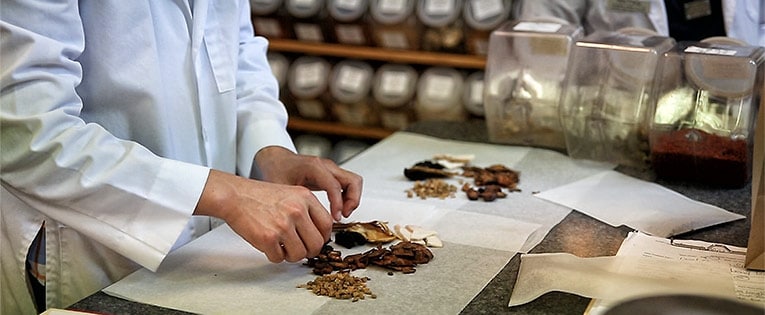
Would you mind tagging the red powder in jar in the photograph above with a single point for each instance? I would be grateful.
(695, 155)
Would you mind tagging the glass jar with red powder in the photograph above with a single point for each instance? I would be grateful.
(703, 121)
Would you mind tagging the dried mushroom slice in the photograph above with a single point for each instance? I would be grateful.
(373, 232)
(425, 170)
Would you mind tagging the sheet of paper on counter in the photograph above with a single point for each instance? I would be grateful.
(644, 266)
(618, 199)
(219, 273)
(383, 164)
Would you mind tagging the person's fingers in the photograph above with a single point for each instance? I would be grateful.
(352, 194)
(293, 246)
(314, 234)
(274, 250)
(352, 185)
(320, 220)
(324, 179)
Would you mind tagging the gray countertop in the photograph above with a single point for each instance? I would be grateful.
(578, 234)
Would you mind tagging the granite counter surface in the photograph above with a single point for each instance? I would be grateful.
(577, 234)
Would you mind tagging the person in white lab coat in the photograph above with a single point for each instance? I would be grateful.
(681, 19)
(119, 120)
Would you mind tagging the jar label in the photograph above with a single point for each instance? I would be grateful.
(393, 82)
(438, 7)
(303, 3)
(395, 40)
(542, 27)
(308, 32)
(348, 4)
(350, 79)
(439, 87)
(308, 75)
(486, 9)
(710, 51)
(392, 6)
(350, 34)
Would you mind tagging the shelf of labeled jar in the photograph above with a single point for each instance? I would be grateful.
(380, 54)
(336, 128)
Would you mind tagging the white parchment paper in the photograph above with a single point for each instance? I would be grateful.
(219, 273)
(383, 164)
(618, 199)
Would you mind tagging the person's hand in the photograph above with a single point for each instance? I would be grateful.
(285, 222)
(279, 165)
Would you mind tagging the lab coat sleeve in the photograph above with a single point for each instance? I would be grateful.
(262, 118)
(111, 190)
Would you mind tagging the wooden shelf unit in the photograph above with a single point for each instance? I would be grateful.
(380, 54)
(337, 129)
(463, 61)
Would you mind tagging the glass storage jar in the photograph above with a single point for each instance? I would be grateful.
(394, 24)
(525, 68)
(349, 85)
(308, 86)
(606, 95)
(704, 118)
(393, 89)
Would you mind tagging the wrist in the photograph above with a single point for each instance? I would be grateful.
(216, 193)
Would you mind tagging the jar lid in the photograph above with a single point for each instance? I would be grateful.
(304, 8)
(437, 13)
(347, 10)
(391, 11)
(722, 66)
(308, 76)
(263, 7)
(543, 46)
(632, 53)
(486, 14)
(394, 84)
(350, 80)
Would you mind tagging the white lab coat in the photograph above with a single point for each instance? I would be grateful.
(113, 113)
(744, 19)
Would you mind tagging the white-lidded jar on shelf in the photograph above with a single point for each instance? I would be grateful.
(443, 25)
(481, 18)
(349, 21)
(270, 19)
(308, 86)
(439, 95)
(310, 21)
(394, 24)
(349, 85)
(472, 95)
(393, 90)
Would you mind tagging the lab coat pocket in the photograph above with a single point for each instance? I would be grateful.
(222, 58)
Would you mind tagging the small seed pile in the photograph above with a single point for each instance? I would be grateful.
(340, 285)
(432, 188)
